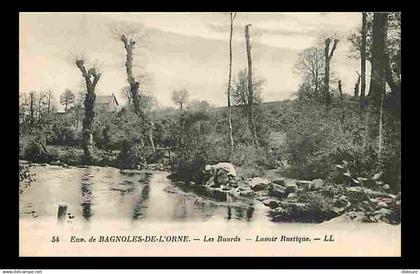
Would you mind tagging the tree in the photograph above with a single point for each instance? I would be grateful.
(392, 55)
(201, 106)
(328, 55)
(250, 86)
(379, 63)
(180, 97)
(232, 18)
(357, 85)
(127, 37)
(311, 64)
(91, 78)
(362, 77)
(126, 93)
(50, 100)
(240, 93)
(67, 99)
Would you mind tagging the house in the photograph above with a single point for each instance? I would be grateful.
(106, 103)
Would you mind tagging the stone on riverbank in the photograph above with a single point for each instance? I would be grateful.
(275, 190)
(258, 183)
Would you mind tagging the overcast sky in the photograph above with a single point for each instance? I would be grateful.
(183, 50)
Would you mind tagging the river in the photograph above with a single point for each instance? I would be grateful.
(101, 201)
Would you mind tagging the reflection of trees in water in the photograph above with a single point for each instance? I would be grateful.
(240, 213)
(138, 211)
(86, 199)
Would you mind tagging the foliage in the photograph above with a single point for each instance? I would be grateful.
(132, 156)
(240, 89)
(33, 148)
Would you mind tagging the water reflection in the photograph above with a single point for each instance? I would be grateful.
(108, 194)
(140, 205)
(240, 213)
(86, 187)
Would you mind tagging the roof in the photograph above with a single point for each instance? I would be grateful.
(105, 99)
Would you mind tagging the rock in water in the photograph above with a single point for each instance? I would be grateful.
(258, 183)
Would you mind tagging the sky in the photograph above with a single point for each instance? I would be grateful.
(178, 50)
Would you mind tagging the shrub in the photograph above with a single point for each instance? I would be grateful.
(132, 156)
(71, 156)
(34, 150)
(106, 158)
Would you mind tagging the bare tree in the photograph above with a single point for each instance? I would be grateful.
(180, 97)
(328, 54)
(311, 63)
(91, 77)
(250, 86)
(127, 37)
(232, 18)
(126, 93)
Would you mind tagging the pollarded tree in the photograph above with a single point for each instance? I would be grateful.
(91, 78)
(180, 97)
(128, 37)
(328, 54)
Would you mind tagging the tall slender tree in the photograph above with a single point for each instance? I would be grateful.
(232, 18)
(250, 86)
(363, 61)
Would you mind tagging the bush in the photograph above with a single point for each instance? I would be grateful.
(106, 158)
(33, 149)
(132, 156)
(71, 156)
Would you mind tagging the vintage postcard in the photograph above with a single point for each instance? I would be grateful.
(210, 134)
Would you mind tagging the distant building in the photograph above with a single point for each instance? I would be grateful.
(106, 103)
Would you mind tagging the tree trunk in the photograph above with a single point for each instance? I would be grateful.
(232, 17)
(357, 86)
(150, 131)
(377, 83)
(363, 62)
(250, 87)
(328, 55)
(134, 85)
(31, 118)
(341, 101)
(88, 145)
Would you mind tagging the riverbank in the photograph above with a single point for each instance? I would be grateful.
(104, 201)
(292, 200)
